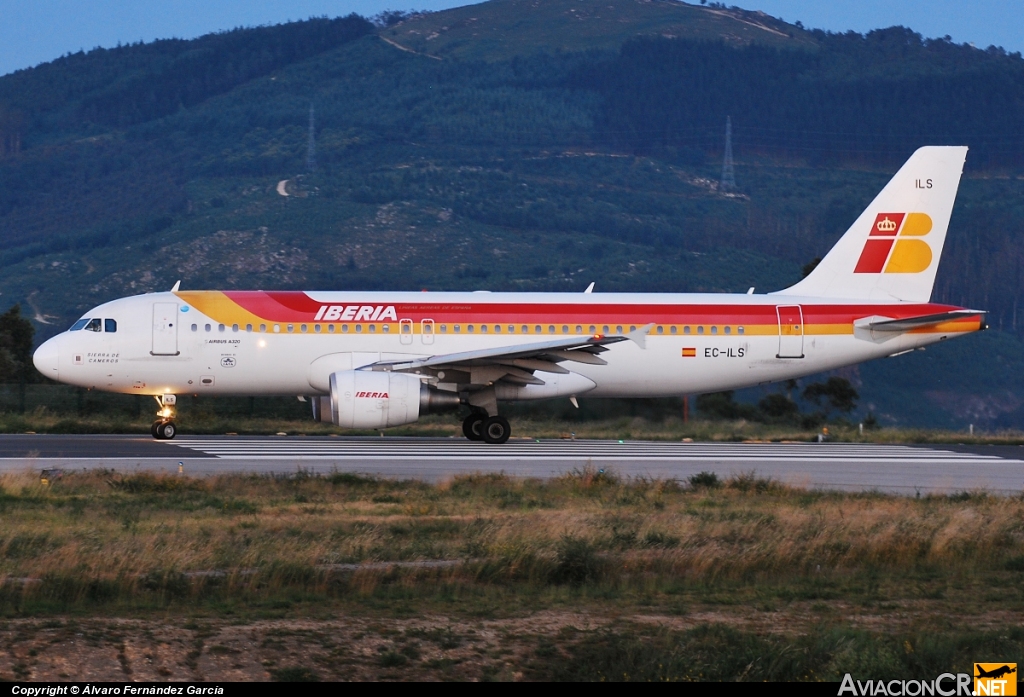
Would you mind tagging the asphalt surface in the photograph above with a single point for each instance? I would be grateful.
(840, 466)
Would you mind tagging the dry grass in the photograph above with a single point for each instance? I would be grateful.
(628, 428)
(129, 530)
(586, 576)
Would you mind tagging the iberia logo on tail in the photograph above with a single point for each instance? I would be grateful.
(893, 247)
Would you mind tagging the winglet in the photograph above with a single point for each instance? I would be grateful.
(176, 287)
(590, 288)
(639, 336)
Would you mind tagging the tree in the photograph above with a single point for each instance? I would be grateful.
(721, 405)
(16, 347)
(778, 406)
(835, 393)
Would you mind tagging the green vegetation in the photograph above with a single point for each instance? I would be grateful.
(583, 577)
(551, 146)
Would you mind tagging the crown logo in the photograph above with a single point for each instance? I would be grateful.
(886, 225)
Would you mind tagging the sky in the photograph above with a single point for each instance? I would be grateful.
(36, 31)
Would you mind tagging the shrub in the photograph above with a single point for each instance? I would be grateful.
(576, 562)
(705, 480)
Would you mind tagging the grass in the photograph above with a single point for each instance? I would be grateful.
(622, 428)
(587, 576)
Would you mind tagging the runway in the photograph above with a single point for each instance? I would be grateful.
(833, 466)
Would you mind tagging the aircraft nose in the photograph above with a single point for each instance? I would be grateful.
(46, 358)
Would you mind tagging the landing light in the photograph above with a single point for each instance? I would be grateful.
(261, 343)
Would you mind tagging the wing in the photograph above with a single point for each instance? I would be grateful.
(514, 364)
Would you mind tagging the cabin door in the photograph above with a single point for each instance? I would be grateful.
(165, 329)
(791, 331)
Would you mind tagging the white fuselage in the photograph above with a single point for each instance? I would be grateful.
(255, 343)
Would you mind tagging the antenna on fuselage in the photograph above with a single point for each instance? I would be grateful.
(590, 288)
(176, 287)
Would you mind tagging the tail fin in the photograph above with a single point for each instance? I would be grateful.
(892, 251)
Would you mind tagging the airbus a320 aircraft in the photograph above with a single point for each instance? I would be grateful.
(373, 360)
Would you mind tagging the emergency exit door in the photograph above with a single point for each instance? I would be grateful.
(165, 329)
(791, 331)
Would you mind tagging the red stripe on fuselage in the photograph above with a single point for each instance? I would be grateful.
(293, 306)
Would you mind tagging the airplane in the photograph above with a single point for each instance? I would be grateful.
(374, 360)
(995, 672)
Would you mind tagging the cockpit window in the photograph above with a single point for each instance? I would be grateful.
(94, 325)
(110, 325)
(79, 324)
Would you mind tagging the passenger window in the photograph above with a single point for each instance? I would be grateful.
(207, 327)
(110, 325)
(739, 330)
(593, 329)
(700, 330)
(263, 327)
(248, 327)
(220, 327)
(728, 330)
(344, 329)
(94, 326)
(291, 328)
(373, 328)
(469, 328)
(316, 328)
(618, 329)
(604, 329)
(195, 327)
(78, 325)
(234, 327)
(483, 328)
(686, 330)
(579, 329)
(673, 329)
(386, 328)
(330, 328)
(444, 328)
(661, 329)
(359, 328)
(458, 328)
(302, 328)
(714, 330)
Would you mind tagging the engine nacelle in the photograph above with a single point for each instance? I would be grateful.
(378, 399)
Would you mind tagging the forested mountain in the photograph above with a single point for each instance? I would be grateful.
(512, 145)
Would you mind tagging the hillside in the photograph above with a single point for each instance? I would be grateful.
(502, 29)
(516, 162)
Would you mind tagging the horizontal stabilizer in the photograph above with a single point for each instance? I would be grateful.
(908, 323)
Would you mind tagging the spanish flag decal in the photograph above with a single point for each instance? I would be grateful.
(689, 353)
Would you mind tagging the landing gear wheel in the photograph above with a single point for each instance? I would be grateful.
(163, 430)
(473, 426)
(496, 430)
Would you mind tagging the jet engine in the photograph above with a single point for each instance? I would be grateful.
(378, 399)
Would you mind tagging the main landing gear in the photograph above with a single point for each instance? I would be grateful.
(489, 429)
(164, 427)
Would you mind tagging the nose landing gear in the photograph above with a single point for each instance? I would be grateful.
(164, 427)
